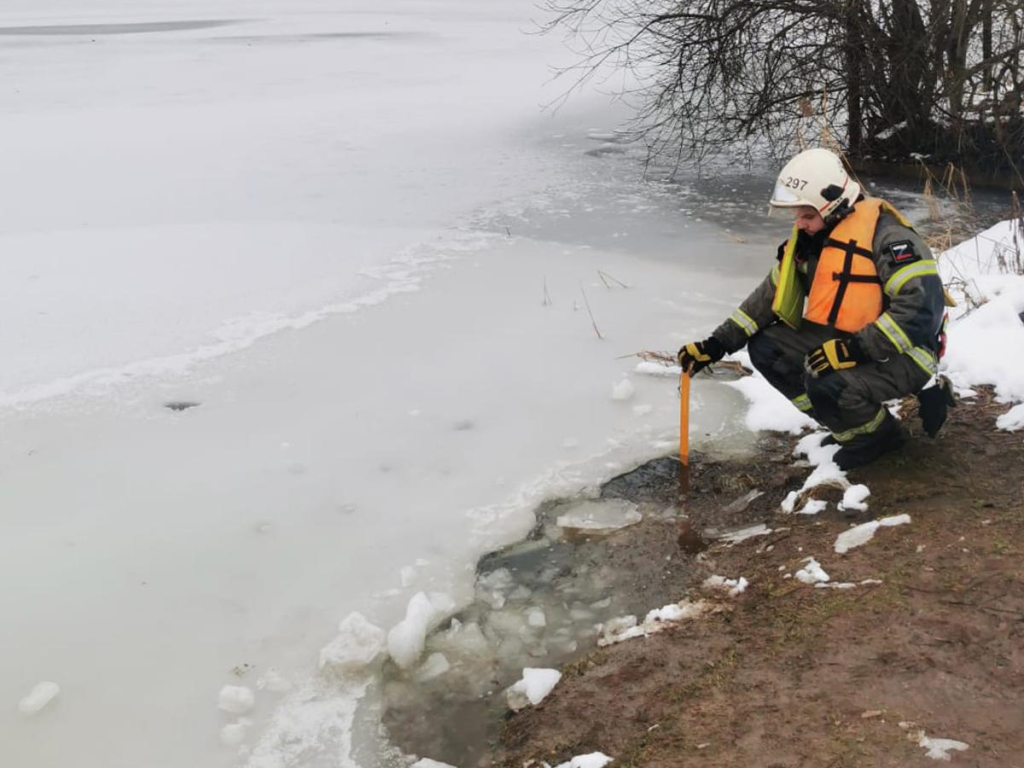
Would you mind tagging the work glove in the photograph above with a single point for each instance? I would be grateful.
(934, 404)
(834, 355)
(698, 355)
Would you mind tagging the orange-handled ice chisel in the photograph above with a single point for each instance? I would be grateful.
(684, 417)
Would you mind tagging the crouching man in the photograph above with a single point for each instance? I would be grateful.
(850, 316)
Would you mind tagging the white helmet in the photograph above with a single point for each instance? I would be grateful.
(815, 177)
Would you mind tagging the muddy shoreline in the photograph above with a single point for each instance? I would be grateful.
(789, 675)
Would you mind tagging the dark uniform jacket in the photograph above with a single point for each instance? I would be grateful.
(913, 295)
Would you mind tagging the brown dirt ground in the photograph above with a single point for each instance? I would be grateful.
(797, 676)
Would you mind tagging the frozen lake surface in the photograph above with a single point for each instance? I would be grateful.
(349, 234)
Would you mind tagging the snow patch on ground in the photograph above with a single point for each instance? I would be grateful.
(1013, 419)
(812, 507)
(863, 533)
(532, 688)
(768, 408)
(854, 498)
(731, 587)
(657, 620)
(812, 572)
(987, 321)
(937, 749)
(846, 584)
(826, 471)
(593, 760)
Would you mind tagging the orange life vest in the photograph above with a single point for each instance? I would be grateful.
(846, 292)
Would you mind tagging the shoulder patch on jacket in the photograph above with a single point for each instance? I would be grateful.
(902, 252)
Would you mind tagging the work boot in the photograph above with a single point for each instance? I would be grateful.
(864, 449)
(934, 403)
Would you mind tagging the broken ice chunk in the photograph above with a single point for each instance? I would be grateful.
(435, 666)
(623, 390)
(506, 623)
(598, 516)
(492, 587)
(742, 534)
(357, 645)
(742, 502)
(237, 699)
(536, 618)
(534, 686)
(406, 639)
(40, 695)
(426, 762)
(407, 575)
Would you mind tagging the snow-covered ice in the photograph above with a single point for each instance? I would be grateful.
(332, 227)
(40, 695)
(861, 534)
(233, 734)
(236, 699)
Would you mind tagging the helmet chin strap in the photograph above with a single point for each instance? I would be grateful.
(841, 211)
